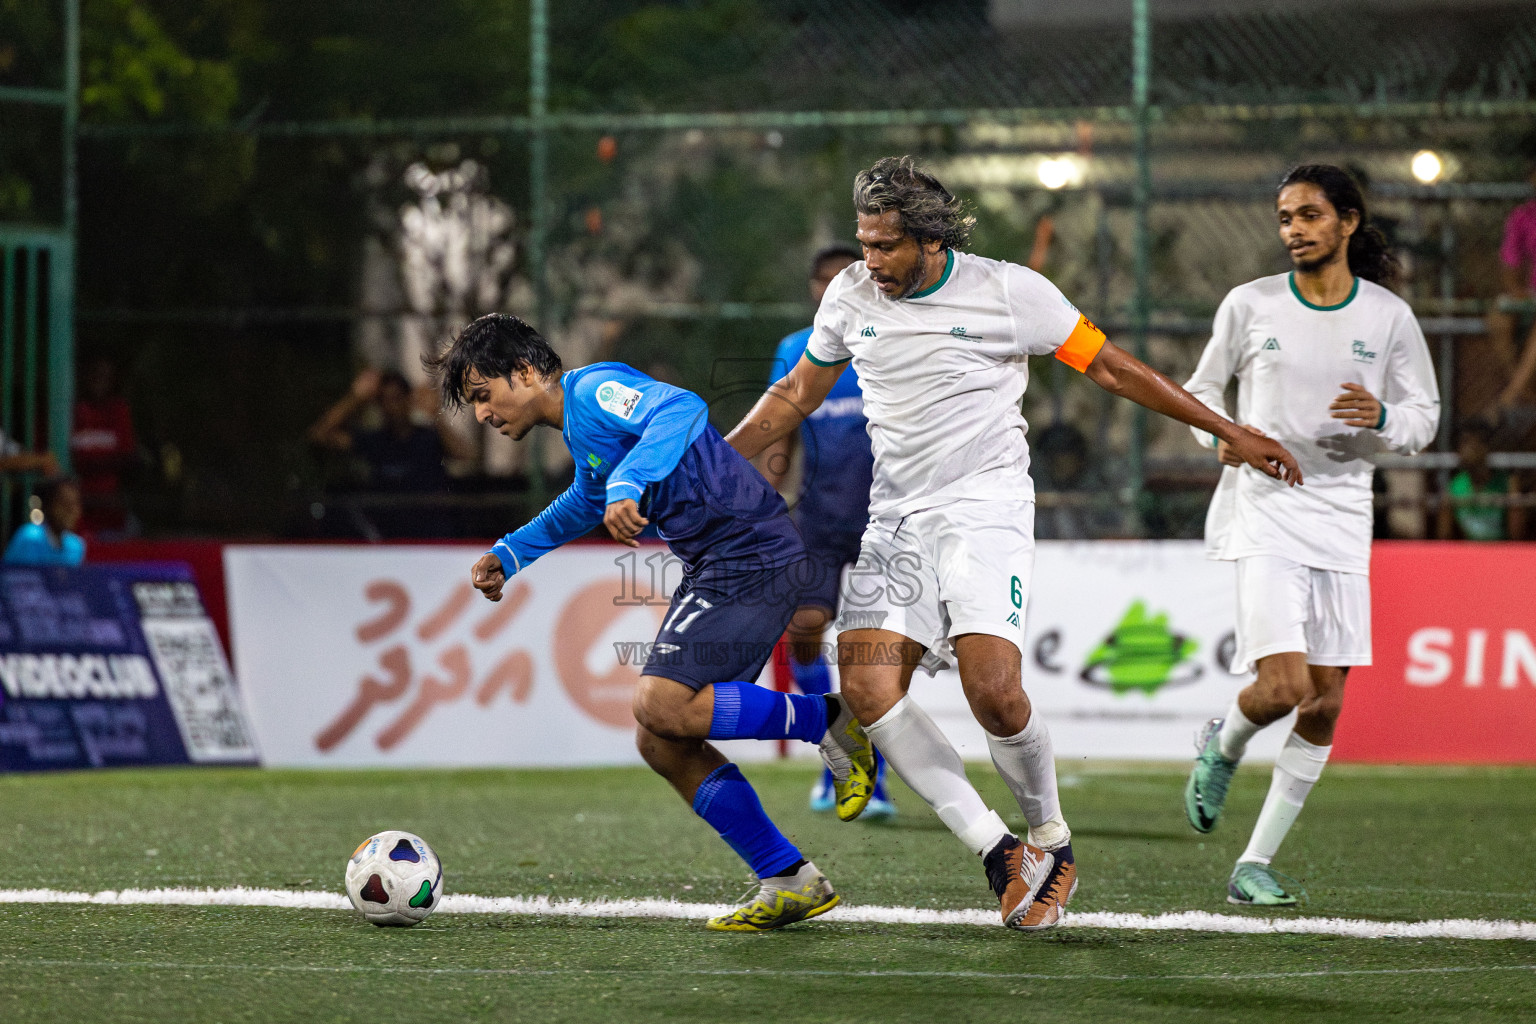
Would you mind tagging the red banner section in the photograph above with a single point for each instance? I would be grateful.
(1454, 679)
(206, 557)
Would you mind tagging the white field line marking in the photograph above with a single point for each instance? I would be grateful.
(543, 906)
(747, 972)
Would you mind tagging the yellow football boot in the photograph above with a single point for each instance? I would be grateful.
(781, 900)
(850, 756)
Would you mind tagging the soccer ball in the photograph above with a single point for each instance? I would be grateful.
(394, 878)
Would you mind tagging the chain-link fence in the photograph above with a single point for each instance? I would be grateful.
(650, 183)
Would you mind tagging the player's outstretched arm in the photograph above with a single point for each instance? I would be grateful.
(1120, 373)
(786, 402)
(488, 577)
(575, 512)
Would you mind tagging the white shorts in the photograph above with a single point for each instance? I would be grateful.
(1284, 606)
(943, 572)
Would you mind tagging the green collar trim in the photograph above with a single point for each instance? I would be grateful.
(1354, 289)
(949, 265)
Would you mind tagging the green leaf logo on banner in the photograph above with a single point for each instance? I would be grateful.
(1142, 654)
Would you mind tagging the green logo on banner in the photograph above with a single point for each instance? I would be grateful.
(1142, 654)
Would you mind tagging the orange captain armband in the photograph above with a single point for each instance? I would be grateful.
(1081, 345)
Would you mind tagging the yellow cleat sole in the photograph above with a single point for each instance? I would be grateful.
(731, 924)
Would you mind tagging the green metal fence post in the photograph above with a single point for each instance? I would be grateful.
(1447, 368)
(29, 318)
(61, 267)
(538, 200)
(71, 112)
(61, 349)
(1141, 74)
(7, 376)
(31, 267)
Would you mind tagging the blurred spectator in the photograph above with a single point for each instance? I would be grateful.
(1059, 463)
(49, 539)
(1480, 503)
(1390, 227)
(1512, 309)
(103, 447)
(400, 454)
(15, 459)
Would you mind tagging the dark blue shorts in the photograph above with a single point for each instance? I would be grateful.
(724, 622)
(829, 552)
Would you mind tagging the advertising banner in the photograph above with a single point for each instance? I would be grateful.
(1454, 679)
(112, 666)
(385, 655)
(1127, 652)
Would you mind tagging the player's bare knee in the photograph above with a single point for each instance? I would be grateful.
(1301, 690)
(858, 690)
(666, 757)
(806, 630)
(869, 695)
(661, 706)
(809, 623)
(1283, 689)
(649, 745)
(1002, 709)
(997, 699)
(1323, 708)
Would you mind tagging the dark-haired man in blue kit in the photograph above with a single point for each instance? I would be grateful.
(831, 510)
(646, 453)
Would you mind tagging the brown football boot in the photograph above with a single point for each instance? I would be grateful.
(1017, 871)
(1050, 901)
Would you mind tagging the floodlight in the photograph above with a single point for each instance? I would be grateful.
(1427, 166)
(1056, 172)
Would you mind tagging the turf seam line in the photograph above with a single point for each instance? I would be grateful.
(745, 972)
(544, 906)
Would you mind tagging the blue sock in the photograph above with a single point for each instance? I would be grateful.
(729, 803)
(814, 678)
(747, 712)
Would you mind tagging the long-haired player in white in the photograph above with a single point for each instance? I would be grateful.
(940, 340)
(1334, 366)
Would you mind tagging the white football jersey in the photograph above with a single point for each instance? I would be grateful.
(943, 372)
(1291, 360)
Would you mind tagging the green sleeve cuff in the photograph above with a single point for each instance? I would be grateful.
(1381, 420)
(820, 362)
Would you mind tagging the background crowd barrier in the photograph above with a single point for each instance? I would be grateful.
(111, 666)
(1454, 679)
(380, 655)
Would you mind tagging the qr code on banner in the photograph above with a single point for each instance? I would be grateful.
(200, 688)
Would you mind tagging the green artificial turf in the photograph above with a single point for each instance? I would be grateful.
(1387, 844)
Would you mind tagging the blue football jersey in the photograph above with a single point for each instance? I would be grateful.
(839, 463)
(634, 437)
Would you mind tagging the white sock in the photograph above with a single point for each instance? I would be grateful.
(925, 760)
(1235, 733)
(1297, 769)
(1027, 763)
